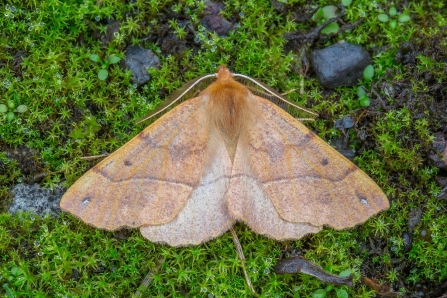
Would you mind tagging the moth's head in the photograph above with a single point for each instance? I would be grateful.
(223, 73)
(225, 87)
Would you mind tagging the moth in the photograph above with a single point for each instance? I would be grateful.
(223, 156)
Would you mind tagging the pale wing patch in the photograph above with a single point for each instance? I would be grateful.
(150, 178)
(205, 215)
(248, 203)
(307, 180)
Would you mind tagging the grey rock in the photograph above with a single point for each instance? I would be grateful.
(439, 154)
(341, 64)
(442, 181)
(443, 194)
(217, 24)
(33, 198)
(138, 60)
(279, 6)
(414, 218)
(213, 21)
(408, 241)
(344, 123)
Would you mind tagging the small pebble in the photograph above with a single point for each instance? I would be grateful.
(408, 241)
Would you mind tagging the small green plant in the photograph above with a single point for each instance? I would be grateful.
(11, 107)
(323, 15)
(368, 74)
(341, 293)
(401, 18)
(8, 291)
(363, 98)
(103, 73)
(16, 276)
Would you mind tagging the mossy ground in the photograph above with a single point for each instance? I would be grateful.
(44, 64)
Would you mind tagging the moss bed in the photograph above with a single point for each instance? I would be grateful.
(44, 65)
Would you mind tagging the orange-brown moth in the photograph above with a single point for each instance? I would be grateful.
(226, 155)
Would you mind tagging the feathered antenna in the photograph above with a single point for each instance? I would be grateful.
(175, 97)
(274, 96)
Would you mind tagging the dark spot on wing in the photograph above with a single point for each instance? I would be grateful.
(325, 199)
(362, 199)
(148, 140)
(324, 161)
(86, 200)
(308, 137)
(350, 170)
(127, 163)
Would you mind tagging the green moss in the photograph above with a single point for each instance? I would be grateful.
(71, 113)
